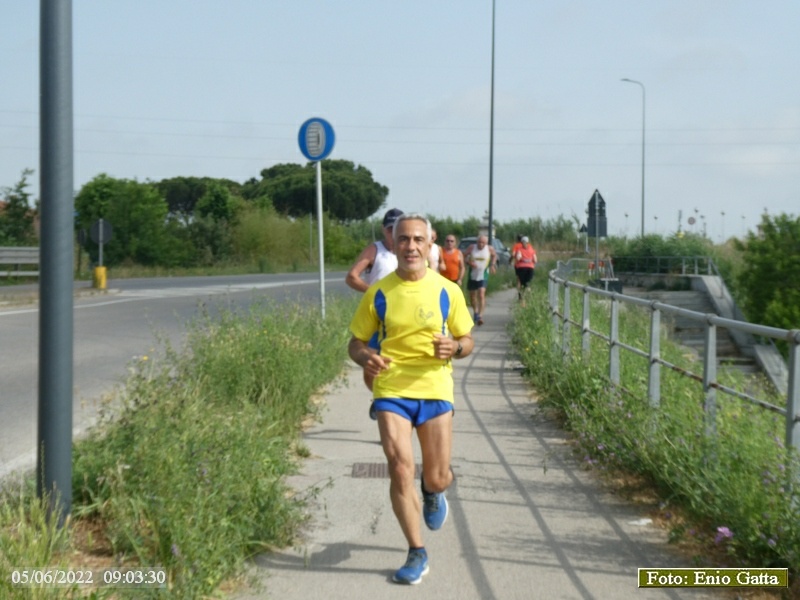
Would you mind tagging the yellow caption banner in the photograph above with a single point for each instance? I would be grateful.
(712, 577)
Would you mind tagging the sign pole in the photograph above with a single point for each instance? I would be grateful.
(100, 243)
(597, 233)
(316, 139)
(321, 244)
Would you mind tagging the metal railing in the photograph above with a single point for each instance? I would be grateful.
(12, 256)
(560, 309)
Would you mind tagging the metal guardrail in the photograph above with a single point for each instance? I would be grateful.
(560, 309)
(12, 256)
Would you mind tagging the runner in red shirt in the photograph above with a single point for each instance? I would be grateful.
(524, 264)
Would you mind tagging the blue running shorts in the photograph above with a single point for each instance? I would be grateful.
(416, 411)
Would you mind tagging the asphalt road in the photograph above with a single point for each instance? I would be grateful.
(110, 330)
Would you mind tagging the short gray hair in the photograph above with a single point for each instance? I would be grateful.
(412, 217)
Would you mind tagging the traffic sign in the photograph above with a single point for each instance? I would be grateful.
(597, 224)
(316, 139)
(101, 231)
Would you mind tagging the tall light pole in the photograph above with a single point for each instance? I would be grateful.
(491, 139)
(639, 83)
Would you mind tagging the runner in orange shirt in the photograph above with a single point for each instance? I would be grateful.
(451, 262)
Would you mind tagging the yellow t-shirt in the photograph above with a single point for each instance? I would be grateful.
(406, 314)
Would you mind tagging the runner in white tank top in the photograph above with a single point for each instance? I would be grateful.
(385, 262)
(478, 262)
(376, 260)
(482, 260)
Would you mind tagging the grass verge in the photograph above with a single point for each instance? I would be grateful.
(737, 489)
(187, 468)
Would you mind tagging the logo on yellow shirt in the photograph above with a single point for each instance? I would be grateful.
(422, 315)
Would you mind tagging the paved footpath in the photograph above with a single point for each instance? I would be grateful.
(525, 520)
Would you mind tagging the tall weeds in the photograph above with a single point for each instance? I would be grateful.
(187, 469)
(738, 486)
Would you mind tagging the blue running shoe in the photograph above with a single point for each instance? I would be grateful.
(434, 508)
(416, 566)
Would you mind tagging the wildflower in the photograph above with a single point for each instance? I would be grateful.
(144, 357)
(771, 543)
(176, 552)
(723, 533)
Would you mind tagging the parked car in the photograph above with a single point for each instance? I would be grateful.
(503, 253)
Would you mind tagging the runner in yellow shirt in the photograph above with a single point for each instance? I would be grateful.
(423, 323)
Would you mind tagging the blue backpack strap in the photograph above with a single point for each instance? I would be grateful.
(444, 306)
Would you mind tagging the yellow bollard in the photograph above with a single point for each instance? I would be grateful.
(99, 279)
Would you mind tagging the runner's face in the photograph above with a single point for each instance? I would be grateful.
(412, 246)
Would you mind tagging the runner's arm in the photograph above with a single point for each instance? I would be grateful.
(367, 358)
(364, 261)
(467, 344)
(446, 348)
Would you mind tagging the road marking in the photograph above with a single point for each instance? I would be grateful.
(158, 294)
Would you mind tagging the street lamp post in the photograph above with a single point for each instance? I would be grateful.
(491, 142)
(639, 83)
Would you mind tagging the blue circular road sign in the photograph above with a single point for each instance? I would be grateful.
(316, 139)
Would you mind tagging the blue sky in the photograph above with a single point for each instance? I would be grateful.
(220, 89)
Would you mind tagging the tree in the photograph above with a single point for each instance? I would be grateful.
(217, 202)
(17, 216)
(137, 213)
(183, 193)
(349, 192)
(770, 276)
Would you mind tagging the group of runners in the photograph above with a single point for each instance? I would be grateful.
(411, 324)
